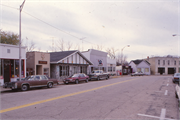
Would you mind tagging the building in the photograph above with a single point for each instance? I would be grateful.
(164, 65)
(67, 63)
(38, 63)
(100, 61)
(9, 62)
(140, 66)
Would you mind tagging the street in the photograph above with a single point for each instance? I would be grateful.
(144, 97)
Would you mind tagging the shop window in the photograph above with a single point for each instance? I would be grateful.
(179, 70)
(16, 72)
(12, 68)
(113, 69)
(64, 70)
(163, 62)
(174, 62)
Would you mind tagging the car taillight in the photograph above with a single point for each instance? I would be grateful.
(176, 78)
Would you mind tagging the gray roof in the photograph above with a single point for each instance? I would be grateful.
(139, 61)
(56, 56)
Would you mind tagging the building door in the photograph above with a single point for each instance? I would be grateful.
(171, 70)
(7, 70)
(38, 69)
(161, 70)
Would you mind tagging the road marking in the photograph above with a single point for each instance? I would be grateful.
(63, 96)
(166, 92)
(163, 113)
(154, 117)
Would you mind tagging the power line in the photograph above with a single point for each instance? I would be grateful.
(49, 24)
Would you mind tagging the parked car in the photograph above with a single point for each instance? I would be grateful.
(30, 82)
(137, 74)
(76, 78)
(177, 91)
(176, 78)
(99, 74)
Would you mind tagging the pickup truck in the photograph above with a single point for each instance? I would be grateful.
(98, 74)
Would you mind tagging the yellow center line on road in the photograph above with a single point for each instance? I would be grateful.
(59, 97)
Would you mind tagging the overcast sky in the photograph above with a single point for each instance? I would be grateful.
(146, 25)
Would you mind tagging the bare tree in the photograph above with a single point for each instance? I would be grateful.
(61, 45)
(98, 47)
(30, 47)
(111, 52)
(69, 45)
(121, 59)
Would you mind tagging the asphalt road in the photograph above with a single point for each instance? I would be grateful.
(127, 98)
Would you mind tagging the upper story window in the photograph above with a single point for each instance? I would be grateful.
(174, 62)
(179, 62)
(168, 62)
(158, 62)
(163, 62)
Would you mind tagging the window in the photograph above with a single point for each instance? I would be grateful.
(1, 69)
(179, 69)
(72, 58)
(179, 62)
(163, 62)
(168, 62)
(139, 70)
(158, 62)
(174, 62)
(8, 51)
(76, 58)
(67, 60)
(146, 69)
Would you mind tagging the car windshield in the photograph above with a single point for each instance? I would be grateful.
(75, 75)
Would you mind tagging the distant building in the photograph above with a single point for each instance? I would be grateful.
(100, 61)
(164, 65)
(140, 66)
(38, 63)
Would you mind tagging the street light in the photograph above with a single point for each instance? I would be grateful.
(121, 57)
(20, 9)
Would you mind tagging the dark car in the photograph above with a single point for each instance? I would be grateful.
(30, 82)
(76, 78)
(176, 78)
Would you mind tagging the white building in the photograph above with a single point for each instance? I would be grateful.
(164, 65)
(100, 61)
(140, 66)
(9, 62)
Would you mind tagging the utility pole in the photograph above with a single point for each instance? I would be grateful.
(82, 41)
(52, 44)
(20, 9)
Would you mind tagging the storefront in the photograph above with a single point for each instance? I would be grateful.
(38, 63)
(66, 63)
(9, 63)
(100, 61)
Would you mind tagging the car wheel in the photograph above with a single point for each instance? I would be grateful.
(24, 87)
(77, 81)
(87, 80)
(176, 95)
(66, 82)
(50, 85)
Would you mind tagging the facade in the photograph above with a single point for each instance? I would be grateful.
(9, 63)
(38, 63)
(140, 66)
(111, 66)
(100, 61)
(164, 65)
(67, 63)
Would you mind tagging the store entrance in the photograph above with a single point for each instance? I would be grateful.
(7, 70)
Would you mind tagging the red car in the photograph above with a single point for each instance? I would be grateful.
(76, 78)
